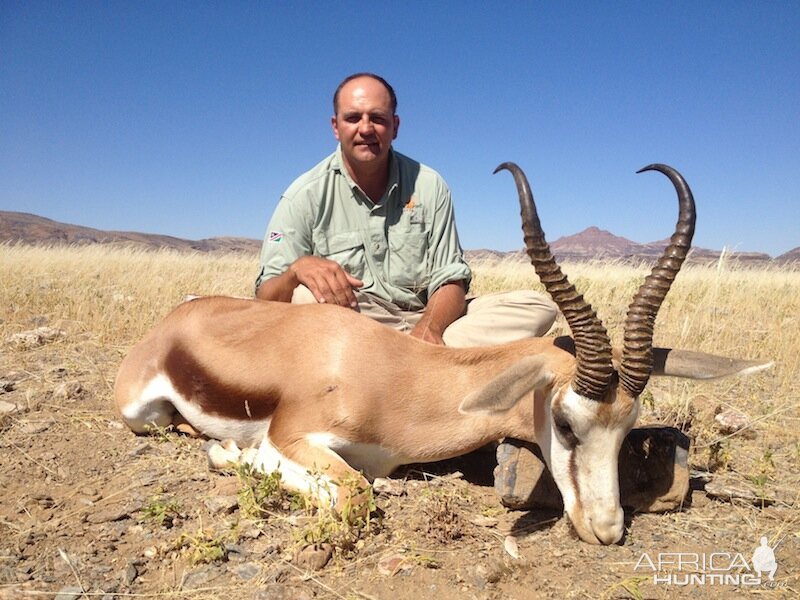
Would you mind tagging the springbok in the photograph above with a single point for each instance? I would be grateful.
(321, 391)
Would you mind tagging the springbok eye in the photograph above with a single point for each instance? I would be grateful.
(564, 429)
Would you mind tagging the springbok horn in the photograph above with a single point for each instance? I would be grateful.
(637, 350)
(592, 344)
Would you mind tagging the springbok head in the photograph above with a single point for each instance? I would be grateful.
(590, 414)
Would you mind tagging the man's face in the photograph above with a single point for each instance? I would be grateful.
(364, 123)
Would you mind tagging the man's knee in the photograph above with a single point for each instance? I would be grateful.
(528, 309)
(303, 295)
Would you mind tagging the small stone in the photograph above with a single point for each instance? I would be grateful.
(389, 487)
(69, 593)
(248, 571)
(314, 557)
(483, 521)
(108, 515)
(490, 571)
(199, 578)
(69, 390)
(143, 448)
(35, 337)
(732, 421)
(34, 427)
(394, 564)
(130, 575)
(7, 408)
(221, 504)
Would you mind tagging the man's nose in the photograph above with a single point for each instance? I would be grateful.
(365, 125)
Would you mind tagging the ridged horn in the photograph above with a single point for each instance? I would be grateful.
(592, 344)
(637, 351)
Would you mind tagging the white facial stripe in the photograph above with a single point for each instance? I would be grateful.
(587, 475)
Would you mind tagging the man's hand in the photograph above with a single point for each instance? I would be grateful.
(327, 280)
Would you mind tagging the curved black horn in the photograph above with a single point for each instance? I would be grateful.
(637, 351)
(592, 344)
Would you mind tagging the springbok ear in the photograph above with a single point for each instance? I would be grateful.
(508, 388)
(698, 365)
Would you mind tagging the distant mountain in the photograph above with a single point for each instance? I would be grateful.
(589, 244)
(789, 257)
(32, 229)
(594, 243)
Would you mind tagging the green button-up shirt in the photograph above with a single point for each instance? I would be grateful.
(403, 248)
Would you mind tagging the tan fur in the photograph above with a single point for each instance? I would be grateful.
(293, 379)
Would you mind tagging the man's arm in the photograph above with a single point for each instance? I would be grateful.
(326, 279)
(445, 305)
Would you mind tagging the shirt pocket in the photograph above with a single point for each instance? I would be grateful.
(345, 248)
(408, 260)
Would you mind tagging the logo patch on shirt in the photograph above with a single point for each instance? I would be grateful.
(275, 237)
(411, 203)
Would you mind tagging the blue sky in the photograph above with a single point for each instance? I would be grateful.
(191, 118)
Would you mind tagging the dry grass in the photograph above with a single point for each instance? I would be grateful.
(113, 295)
(107, 298)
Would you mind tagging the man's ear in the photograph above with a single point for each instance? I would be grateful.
(335, 127)
(504, 391)
(396, 126)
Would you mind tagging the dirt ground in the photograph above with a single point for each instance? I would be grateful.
(87, 509)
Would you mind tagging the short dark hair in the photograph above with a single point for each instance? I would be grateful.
(377, 78)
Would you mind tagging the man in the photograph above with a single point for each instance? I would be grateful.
(373, 230)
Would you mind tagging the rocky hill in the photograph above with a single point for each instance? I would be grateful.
(31, 229)
(595, 243)
(589, 244)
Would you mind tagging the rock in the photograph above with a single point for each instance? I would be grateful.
(314, 557)
(68, 390)
(69, 593)
(200, 578)
(109, 515)
(221, 504)
(35, 337)
(521, 478)
(489, 572)
(653, 472)
(130, 574)
(483, 521)
(277, 591)
(247, 571)
(7, 386)
(33, 427)
(7, 408)
(389, 487)
(654, 469)
(394, 564)
(732, 421)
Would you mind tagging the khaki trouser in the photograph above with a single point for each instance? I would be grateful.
(489, 320)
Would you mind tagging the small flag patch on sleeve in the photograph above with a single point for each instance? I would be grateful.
(275, 237)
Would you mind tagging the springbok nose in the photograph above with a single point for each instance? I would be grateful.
(609, 526)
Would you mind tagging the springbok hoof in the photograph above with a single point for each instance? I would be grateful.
(223, 455)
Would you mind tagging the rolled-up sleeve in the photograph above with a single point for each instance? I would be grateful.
(446, 258)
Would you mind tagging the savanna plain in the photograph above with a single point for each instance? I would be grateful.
(89, 510)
